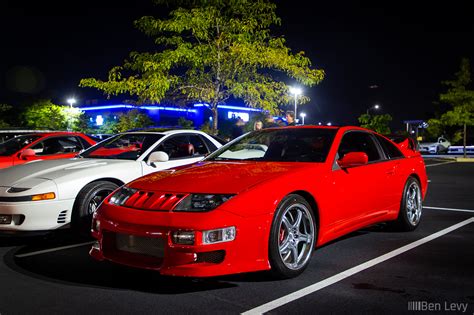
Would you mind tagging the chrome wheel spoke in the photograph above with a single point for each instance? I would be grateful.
(296, 237)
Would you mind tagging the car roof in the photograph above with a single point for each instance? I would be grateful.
(165, 132)
(54, 133)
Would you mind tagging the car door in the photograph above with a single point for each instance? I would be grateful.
(393, 179)
(358, 189)
(181, 150)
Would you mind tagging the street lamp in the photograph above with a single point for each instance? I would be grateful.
(376, 106)
(329, 124)
(303, 115)
(295, 91)
(71, 101)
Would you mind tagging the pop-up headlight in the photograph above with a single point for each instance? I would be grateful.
(121, 196)
(201, 202)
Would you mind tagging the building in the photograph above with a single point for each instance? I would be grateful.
(199, 114)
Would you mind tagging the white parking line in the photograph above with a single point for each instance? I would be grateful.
(436, 164)
(448, 209)
(52, 250)
(345, 274)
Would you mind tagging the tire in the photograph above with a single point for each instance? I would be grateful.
(291, 243)
(87, 202)
(411, 206)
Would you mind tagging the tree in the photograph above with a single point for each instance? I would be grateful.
(377, 123)
(185, 123)
(210, 51)
(133, 119)
(45, 114)
(461, 98)
(4, 108)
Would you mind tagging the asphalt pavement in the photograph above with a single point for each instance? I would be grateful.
(430, 270)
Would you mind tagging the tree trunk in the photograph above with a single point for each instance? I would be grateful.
(214, 120)
(465, 140)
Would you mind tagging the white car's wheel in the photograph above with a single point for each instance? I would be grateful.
(87, 202)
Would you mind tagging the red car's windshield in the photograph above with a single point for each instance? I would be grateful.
(124, 147)
(16, 144)
(283, 145)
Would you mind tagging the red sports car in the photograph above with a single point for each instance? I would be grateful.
(264, 201)
(42, 146)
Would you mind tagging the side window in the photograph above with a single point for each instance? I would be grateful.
(359, 142)
(177, 147)
(84, 143)
(48, 147)
(57, 145)
(391, 151)
(211, 146)
(199, 146)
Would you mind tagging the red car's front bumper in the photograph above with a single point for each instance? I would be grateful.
(143, 239)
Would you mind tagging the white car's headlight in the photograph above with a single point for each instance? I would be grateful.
(202, 202)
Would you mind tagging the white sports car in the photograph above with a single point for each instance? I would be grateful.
(441, 145)
(48, 195)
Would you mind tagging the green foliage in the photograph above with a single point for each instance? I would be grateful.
(46, 115)
(206, 127)
(133, 119)
(377, 123)
(211, 50)
(4, 109)
(185, 123)
(461, 98)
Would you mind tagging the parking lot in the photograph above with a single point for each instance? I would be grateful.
(369, 271)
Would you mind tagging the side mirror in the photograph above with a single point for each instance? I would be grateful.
(27, 154)
(158, 156)
(352, 159)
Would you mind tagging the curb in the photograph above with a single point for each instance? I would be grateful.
(465, 160)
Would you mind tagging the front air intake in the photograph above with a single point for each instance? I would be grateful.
(62, 216)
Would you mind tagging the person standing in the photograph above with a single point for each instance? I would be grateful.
(238, 128)
(258, 125)
(270, 121)
(290, 118)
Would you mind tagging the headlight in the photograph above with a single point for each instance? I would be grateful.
(121, 196)
(201, 202)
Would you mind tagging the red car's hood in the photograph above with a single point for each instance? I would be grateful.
(216, 177)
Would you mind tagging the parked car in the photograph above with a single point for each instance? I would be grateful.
(42, 146)
(48, 195)
(402, 140)
(440, 146)
(264, 201)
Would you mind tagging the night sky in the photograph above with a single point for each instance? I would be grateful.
(405, 48)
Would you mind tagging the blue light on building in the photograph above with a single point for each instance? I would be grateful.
(169, 115)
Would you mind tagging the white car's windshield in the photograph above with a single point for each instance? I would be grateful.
(122, 146)
(285, 145)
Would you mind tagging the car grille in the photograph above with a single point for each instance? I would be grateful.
(153, 200)
(148, 246)
(214, 257)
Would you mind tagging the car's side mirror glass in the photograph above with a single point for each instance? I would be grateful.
(353, 159)
(158, 156)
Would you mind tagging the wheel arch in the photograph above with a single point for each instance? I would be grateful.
(312, 202)
(106, 179)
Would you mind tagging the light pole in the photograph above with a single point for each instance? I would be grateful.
(71, 101)
(303, 115)
(295, 91)
(376, 106)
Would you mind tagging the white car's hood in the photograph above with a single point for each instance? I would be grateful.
(38, 171)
